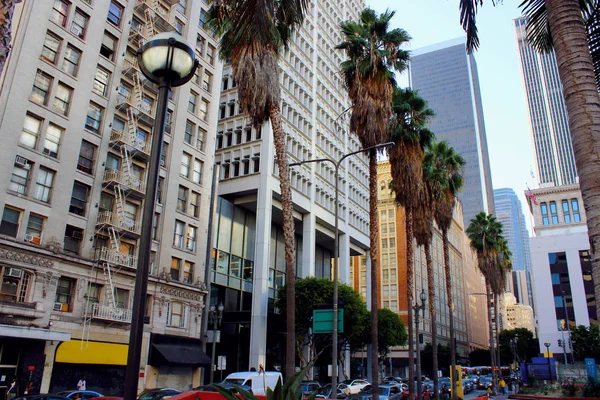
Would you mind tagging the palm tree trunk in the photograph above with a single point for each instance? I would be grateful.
(583, 107)
(432, 318)
(491, 330)
(498, 360)
(409, 299)
(7, 10)
(374, 250)
(449, 294)
(288, 239)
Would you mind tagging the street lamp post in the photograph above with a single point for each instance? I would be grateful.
(419, 307)
(169, 61)
(337, 164)
(547, 344)
(215, 316)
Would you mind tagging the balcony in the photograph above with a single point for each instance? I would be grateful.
(161, 16)
(127, 225)
(112, 314)
(143, 110)
(141, 148)
(118, 177)
(116, 258)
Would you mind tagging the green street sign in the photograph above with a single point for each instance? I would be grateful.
(323, 321)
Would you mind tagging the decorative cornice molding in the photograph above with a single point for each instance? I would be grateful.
(25, 257)
(182, 293)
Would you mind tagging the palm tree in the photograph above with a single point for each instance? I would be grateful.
(374, 54)
(410, 134)
(569, 27)
(452, 165)
(7, 10)
(430, 195)
(253, 34)
(485, 235)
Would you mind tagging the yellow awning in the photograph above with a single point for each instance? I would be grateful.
(76, 352)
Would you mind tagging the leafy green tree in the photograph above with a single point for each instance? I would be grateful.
(444, 359)
(480, 357)
(586, 342)
(526, 345)
(253, 35)
(391, 331)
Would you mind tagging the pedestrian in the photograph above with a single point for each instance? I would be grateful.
(503, 386)
(489, 391)
(28, 388)
(11, 392)
(81, 383)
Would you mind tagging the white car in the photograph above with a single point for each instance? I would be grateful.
(354, 386)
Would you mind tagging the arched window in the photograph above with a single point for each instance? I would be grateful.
(15, 284)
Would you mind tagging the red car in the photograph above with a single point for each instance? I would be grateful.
(426, 393)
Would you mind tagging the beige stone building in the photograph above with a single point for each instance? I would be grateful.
(76, 120)
(519, 315)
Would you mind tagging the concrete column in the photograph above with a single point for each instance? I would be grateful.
(308, 245)
(264, 213)
(49, 352)
(345, 258)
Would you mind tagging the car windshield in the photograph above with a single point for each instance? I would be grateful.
(233, 381)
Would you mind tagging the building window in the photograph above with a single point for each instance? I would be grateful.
(177, 315)
(188, 272)
(35, 227)
(79, 198)
(185, 165)
(191, 238)
(20, 175)
(64, 294)
(62, 100)
(41, 88)
(11, 218)
(192, 102)
(175, 268)
(201, 140)
(60, 10)
(200, 42)
(566, 211)
(182, 195)
(179, 26)
(206, 80)
(79, 24)
(189, 132)
(155, 226)
(159, 190)
(14, 285)
(73, 238)
(71, 59)
(203, 19)
(93, 118)
(204, 110)
(43, 185)
(210, 54)
(554, 212)
(197, 173)
(122, 298)
(31, 131)
(544, 209)
(194, 209)
(51, 46)
(108, 47)
(115, 13)
(52, 140)
(101, 81)
(575, 208)
(85, 162)
(178, 239)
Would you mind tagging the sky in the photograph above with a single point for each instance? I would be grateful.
(503, 97)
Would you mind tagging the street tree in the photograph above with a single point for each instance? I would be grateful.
(586, 342)
(253, 34)
(517, 344)
(374, 54)
(391, 330)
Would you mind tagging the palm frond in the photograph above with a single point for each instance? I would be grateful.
(468, 14)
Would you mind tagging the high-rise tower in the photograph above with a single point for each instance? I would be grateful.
(549, 124)
(446, 76)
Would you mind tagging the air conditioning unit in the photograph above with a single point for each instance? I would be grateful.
(33, 239)
(77, 235)
(15, 272)
(61, 307)
(162, 163)
(21, 162)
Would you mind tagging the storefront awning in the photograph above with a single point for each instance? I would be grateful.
(182, 354)
(88, 352)
(25, 332)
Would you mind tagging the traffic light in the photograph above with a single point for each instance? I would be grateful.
(560, 343)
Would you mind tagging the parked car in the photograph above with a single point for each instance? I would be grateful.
(259, 382)
(310, 387)
(41, 397)
(158, 394)
(426, 392)
(325, 391)
(386, 392)
(355, 386)
(82, 394)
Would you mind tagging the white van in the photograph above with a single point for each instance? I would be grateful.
(257, 382)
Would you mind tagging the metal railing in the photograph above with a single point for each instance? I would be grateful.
(109, 313)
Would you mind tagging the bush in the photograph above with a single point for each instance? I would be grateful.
(591, 389)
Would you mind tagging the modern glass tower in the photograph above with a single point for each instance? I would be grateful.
(547, 113)
(510, 212)
(446, 76)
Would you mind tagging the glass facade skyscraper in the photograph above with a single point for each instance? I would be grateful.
(446, 76)
(548, 120)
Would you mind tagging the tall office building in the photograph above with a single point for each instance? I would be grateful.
(76, 119)
(446, 76)
(548, 119)
(510, 212)
(249, 250)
